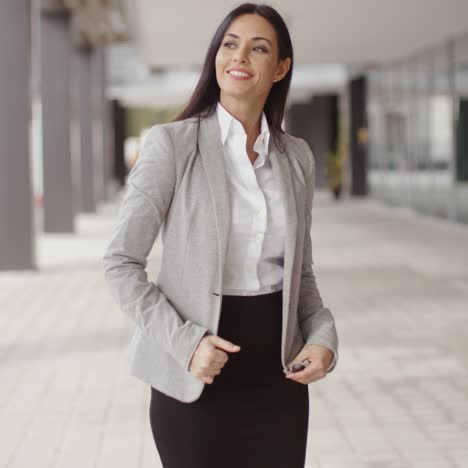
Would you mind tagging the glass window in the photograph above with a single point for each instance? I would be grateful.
(441, 112)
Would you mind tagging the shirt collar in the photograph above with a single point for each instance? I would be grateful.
(231, 126)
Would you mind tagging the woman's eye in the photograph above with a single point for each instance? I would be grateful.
(228, 44)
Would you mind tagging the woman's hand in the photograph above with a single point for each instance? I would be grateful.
(210, 357)
(320, 358)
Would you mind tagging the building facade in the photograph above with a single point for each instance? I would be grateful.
(417, 110)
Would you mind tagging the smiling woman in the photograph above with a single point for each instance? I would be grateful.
(236, 307)
(250, 415)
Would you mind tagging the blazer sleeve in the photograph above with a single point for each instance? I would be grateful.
(150, 188)
(316, 321)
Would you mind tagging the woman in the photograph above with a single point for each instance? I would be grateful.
(236, 302)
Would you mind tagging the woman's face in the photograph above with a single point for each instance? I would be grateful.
(250, 46)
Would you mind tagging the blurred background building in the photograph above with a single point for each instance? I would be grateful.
(379, 90)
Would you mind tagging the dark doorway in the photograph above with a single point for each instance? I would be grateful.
(462, 142)
(359, 136)
(316, 122)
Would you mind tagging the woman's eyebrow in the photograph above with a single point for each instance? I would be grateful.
(256, 38)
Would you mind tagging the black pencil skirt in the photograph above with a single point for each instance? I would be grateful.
(251, 416)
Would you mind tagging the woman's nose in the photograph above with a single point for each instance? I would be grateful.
(240, 56)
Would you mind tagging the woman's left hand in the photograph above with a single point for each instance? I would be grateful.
(320, 358)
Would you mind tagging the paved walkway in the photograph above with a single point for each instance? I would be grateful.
(396, 282)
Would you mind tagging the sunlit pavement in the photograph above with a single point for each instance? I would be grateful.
(396, 282)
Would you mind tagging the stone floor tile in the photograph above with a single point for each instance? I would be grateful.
(395, 283)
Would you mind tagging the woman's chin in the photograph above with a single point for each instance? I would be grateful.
(236, 91)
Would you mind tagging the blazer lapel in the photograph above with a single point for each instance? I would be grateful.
(282, 172)
(212, 153)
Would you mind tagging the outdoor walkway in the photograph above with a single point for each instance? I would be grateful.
(397, 284)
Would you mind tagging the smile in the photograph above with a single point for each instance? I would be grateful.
(237, 75)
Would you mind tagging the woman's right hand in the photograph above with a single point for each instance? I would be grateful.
(210, 357)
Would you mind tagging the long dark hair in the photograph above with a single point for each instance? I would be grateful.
(206, 94)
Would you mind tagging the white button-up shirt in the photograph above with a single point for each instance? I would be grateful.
(255, 255)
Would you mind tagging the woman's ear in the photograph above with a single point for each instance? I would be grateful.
(283, 68)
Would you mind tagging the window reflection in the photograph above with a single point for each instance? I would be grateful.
(418, 145)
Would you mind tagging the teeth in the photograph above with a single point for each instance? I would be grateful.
(236, 73)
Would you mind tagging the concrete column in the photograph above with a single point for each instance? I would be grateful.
(120, 131)
(358, 124)
(55, 50)
(17, 246)
(84, 114)
(107, 136)
(102, 129)
(112, 186)
(97, 79)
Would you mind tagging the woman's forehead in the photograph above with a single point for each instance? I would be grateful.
(251, 26)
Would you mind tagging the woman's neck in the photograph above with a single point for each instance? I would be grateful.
(249, 114)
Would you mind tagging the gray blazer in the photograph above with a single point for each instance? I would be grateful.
(179, 184)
